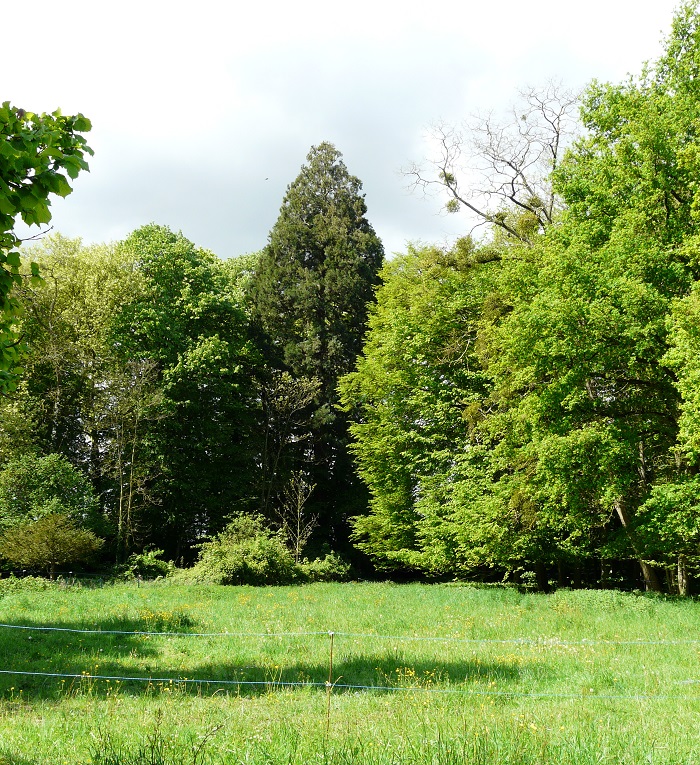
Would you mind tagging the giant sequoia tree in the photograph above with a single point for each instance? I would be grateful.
(311, 290)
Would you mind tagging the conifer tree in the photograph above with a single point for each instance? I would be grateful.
(314, 281)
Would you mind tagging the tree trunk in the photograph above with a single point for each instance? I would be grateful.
(683, 583)
(561, 577)
(651, 580)
(576, 577)
(541, 577)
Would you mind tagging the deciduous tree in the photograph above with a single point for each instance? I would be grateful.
(499, 171)
(38, 154)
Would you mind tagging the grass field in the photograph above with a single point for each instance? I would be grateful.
(571, 677)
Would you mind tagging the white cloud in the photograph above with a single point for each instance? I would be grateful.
(195, 105)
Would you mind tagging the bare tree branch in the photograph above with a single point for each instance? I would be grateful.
(501, 171)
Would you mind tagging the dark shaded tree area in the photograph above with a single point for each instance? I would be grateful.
(187, 389)
(310, 295)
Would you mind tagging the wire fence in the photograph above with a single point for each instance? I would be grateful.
(330, 685)
(537, 641)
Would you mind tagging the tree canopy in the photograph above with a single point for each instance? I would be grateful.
(310, 293)
(522, 406)
(578, 444)
(38, 154)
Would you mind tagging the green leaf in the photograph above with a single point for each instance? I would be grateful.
(6, 206)
(42, 214)
(63, 187)
(82, 124)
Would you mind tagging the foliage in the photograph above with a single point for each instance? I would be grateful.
(310, 292)
(51, 541)
(80, 396)
(37, 152)
(187, 323)
(559, 427)
(683, 357)
(145, 565)
(315, 277)
(32, 487)
(140, 370)
(523, 408)
(14, 584)
(330, 568)
(245, 552)
(590, 408)
(414, 400)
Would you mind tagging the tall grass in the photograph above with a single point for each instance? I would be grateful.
(576, 676)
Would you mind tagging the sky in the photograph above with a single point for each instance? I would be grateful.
(203, 111)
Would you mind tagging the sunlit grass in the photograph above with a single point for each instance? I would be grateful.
(521, 678)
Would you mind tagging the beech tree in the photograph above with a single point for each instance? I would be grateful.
(416, 378)
(310, 292)
(583, 446)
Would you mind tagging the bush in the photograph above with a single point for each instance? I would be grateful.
(14, 584)
(145, 565)
(52, 541)
(331, 568)
(246, 552)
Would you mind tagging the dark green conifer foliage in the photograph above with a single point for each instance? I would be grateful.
(311, 290)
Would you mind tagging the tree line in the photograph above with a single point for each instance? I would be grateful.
(529, 403)
(186, 388)
(520, 405)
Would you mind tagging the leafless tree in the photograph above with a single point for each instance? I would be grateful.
(501, 170)
(296, 524)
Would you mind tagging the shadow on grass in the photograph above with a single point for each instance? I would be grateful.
(11, 758)
(94, 663)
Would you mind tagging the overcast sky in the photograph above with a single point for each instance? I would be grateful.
(204, 111)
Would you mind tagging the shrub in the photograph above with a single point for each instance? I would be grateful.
(331, 568)
(145, 565)
(15, 584)
(246, 552)
(52, 541)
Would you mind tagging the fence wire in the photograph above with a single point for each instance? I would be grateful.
(539, 641)
(328, 685)
(86, 677)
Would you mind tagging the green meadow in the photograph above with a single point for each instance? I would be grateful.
(439, 674)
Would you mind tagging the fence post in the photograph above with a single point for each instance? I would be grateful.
(329, 684)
